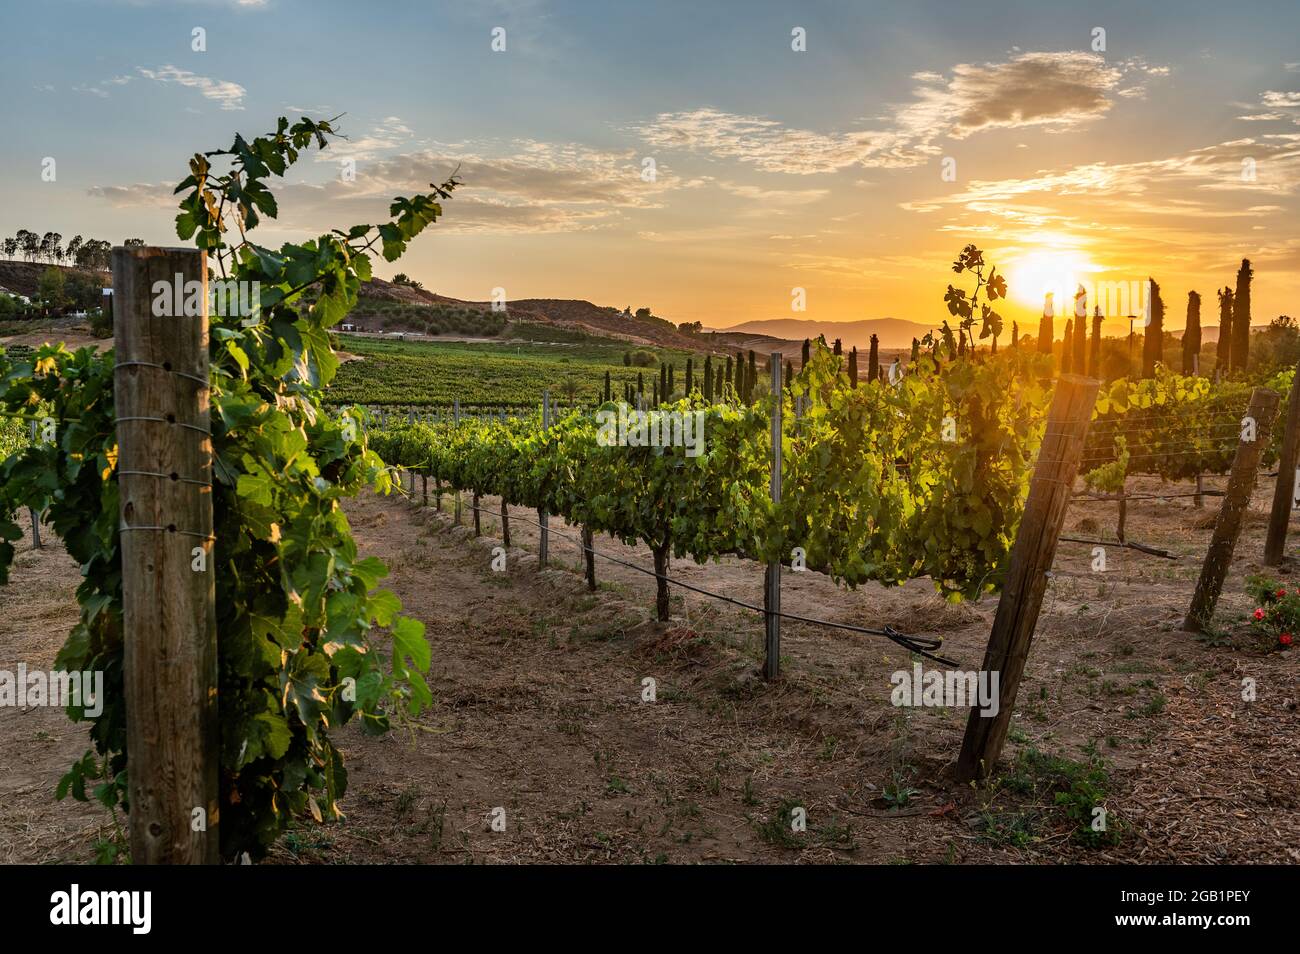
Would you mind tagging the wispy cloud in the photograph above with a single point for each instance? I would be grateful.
(226, 94)
(1058, 90)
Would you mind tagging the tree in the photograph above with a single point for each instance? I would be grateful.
(1045, 329)
(1015, 337)
(751, 378)
(627, 360)
(133, 243)
(1192, 334)
(873, 358)
(640, 383)
(726, 377)
(1080, 341)
(1223, 349)
(1094, 357)
(1241, 318)
(916, 349)
(839, 347)
(789, 374)
(643, 314)
(691, 327)
(708, 378)
(853, 368)
(50, 288)
(1067, 347)
(607, 385)
(1153, 338)
(690, 377)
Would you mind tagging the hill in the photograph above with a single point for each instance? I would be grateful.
(894, 333)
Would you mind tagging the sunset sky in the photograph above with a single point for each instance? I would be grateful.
(774, 169)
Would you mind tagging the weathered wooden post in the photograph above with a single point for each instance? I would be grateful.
(544, 544)
(478, 525)
(505, 523)
(1031, 559)
(1245, 469)
(1288, 479)
(168, 585)
(772, 582)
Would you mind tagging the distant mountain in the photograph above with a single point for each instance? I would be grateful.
(893, 332)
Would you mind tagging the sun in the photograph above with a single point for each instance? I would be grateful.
(1059, 270)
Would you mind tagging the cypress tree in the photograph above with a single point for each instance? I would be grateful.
(607, 392)
(739, 382)
(690, 375)
(873, 359)
(1192, 333)
(718, 389)
(1015, 335)
(916, 349)
(655, 385)
(789, 374)
(1067, 346)
(807, 346)
(640, 383)
(753, 377)
(672, 386)
(627, 360)
(1224, 348)
(839, 347)
(1045, 329)
(1094, 358)
(1241, 317)
(708, 377)
(1153, 339)
(1080, 342)
(663, 380)
(853, 368)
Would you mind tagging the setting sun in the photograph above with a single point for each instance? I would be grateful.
(1059, 271)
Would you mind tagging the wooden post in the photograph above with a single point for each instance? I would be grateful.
(1199, 500)
(772, 581)
(165, 520)
(31, 511)
(505, 523)
(1123, 511)
(1031, 559)
(590, 555)
(478, 526)
(1245, 470)
(1284, 492)
(424, 488)
(544, 544)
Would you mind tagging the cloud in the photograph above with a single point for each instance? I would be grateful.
(139, 195)
(775, 196)
(227, 95)
(536, 187)
(1056, 90)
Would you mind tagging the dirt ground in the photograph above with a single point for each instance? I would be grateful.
(539, 712)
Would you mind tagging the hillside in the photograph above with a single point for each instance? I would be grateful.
(894, 333)
(22, 278)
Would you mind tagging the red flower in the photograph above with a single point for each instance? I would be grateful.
(1259, 614)
(1280, 593)
(1285, 639)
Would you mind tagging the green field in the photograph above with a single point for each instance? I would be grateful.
(492, 374)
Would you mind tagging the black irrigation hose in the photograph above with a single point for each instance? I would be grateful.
(917, 644)
(1140, 547)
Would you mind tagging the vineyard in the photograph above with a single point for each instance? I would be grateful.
(204, 476)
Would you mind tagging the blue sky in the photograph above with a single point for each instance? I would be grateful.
(775, 169)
